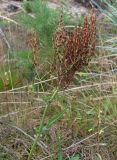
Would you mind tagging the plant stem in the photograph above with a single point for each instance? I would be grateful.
(37, 139)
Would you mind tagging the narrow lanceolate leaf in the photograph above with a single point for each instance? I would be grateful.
(55, 118)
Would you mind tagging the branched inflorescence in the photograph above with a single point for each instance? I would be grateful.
(73, 49)
(34, 44)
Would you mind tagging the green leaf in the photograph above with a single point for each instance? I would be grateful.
(55, 118)
(75, 157)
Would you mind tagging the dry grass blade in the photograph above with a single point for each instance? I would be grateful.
(41, 144)
(8, 19)
(90, 136)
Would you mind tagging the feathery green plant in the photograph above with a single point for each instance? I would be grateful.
(41, 18)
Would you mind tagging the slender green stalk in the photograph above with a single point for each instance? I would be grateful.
(37, 139)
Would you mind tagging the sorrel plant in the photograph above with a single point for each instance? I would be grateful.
(73, 49)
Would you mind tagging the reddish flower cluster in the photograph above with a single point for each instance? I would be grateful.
(34, 44)
(73, 49)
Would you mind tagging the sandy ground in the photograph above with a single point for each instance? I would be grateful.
(9, 7)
